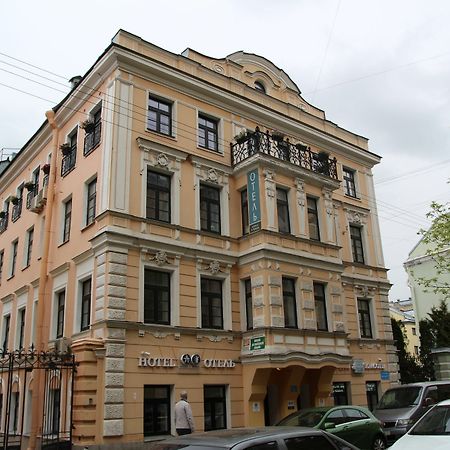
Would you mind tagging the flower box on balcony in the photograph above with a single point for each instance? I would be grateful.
(29, 185)
(46, 168)
(241, 137)
(88, 126)
(65, 148)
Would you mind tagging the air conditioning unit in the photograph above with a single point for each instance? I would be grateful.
(38, 202)
(62, 345)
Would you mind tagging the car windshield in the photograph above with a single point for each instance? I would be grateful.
(303, 419)
(400, 398)
(436, 422)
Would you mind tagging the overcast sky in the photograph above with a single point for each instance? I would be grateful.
(380, 69)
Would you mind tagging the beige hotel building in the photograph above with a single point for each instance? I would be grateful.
(181, 222)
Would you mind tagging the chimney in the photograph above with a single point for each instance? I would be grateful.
(75, 81)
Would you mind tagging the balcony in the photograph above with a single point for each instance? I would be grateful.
(4, 221)
(16, 210)
(68, 161)
(276, 146)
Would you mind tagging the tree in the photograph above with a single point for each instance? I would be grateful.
(434, 333)
(409, 367)
(438, 239)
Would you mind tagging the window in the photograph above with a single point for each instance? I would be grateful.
(365, 326)
(6, 325)
(156, 410)
(211, 299)
(4, 218)
(91, 201)
(289, 303)
(85, 304)
(2, 257)
(372, 394)
(156, 297)
(60, 306)
(321, 307)
(21, 330)
(159, 116)
(249, 304)
(207, 133)
(30, 235)
(313, 219)
(357, 247)
(54, 412)
(17, 205)
(94, 133)
(215, 409)
(158, 196)
(349, 182)
(244, 212)
(70, 154)
(210, 208)
(67, 220)
(413, 330)
(314, 442)
(340, 396)
(260, 87)
(283, 211)
(416, 350)
(14, 247)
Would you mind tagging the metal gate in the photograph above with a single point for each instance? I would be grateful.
(56, 399)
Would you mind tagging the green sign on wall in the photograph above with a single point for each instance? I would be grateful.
(257, 343)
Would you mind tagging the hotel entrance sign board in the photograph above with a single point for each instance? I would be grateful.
(254, 207)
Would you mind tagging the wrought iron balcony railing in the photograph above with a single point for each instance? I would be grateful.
(276, 146)
(16, 210)
(4, 221)
(68, 161)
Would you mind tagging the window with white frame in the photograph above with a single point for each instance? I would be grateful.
(357, 243)
(69, 150)
(210, 208)
(2, 257)
(86, 296)
(156, 297)
(289, 303)
(208, 132)
(13, 261)
(29, 247)
(158, 196)
(5, 331)
(159, 115)
(313, 218)
(364, 316)
(283, 211)
(21, 315)
(60, 306)
(91, 201)
(93, 130)
(211, 303)
(320, 306)
(348, 176)
(248, 303)
(66, 220)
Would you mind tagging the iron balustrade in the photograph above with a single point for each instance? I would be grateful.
(68, 162)
(4, 222)
(277, 147)
(16, 210)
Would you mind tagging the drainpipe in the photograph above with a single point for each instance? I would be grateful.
(43, 306)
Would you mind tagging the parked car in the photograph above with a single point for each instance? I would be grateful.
(431, 431)
(355, 424)
(265, 438)
(400, 407)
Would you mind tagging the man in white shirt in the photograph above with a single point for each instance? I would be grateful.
(184, 421)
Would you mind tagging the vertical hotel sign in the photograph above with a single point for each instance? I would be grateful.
(254, 208)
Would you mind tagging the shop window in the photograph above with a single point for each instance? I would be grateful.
(156, 297)
(340, 394)
(289, 303)
(212, 304)
(158, 196)
(357, 245)
(156, 410)
(365, 325)
(249, 304)
(208, 134)
(244, 212)
(313, 219)
(159, 116)
(320, 306)
(283, 211)
(215, 411)
(210, 208)
(372, 394)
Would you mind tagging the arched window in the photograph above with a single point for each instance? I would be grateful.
(260, 87)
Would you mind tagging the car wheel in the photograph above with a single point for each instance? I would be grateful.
(379, 443)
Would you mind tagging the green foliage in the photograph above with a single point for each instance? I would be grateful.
(438, 239)
(434, 333)
(410, 368)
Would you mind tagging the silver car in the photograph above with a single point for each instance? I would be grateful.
(266, 438)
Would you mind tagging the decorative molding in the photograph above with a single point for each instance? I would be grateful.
(162, 160)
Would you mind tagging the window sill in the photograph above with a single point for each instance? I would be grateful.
(87, 227)
(352, 197)
(63, 243)
(209, 150)
(10, 277)
(157, 133)
(25, 267)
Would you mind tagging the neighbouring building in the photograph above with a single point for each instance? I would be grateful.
(183, 222)
(403, 311)
(420, 265)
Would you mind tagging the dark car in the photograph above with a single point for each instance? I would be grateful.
(355, 424)
(266, 438)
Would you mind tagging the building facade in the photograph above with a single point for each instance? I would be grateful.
(187, 223)
(403, 311)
